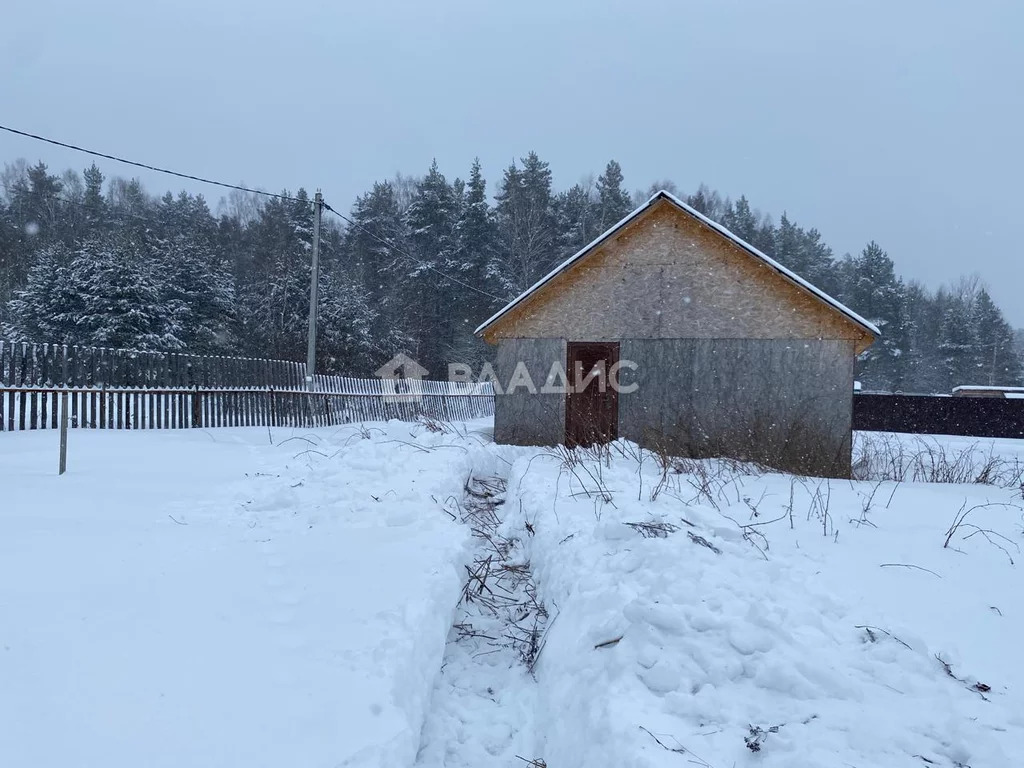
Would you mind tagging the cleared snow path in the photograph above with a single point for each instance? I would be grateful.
(482, 707)
(208, 599)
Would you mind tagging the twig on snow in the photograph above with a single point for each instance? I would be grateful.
(908, 565)
(308, 451)
(535, 763)
(679, 750)
(406, 442)
(978, 687)
(299, 437)
(703, 542)
(872, 629)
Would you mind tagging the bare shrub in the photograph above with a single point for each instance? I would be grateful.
(883, 456)
(655, 529)
(586, 466)
(715, 482)
(440, 426)
(756, 736)
(867, 502)
(994, 538)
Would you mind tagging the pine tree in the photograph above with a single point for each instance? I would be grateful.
(877, 294)
(958, 343)
(613, 202)
(996, 360)
(429, 296)
(578, 220)
(804, 253)
(526, 225)
(476, 236)
(708, 203)
(129, 207)
(788, 248)
(821, 266)
(199, 291)
(41, 202)
(9, 280)
(123, 303)
(373, 254)
(741, 220)
(274, 297)
(33, 216)
(348, 341)
(50, 305)
(94, 206)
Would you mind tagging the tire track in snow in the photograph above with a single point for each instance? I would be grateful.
(482, 706)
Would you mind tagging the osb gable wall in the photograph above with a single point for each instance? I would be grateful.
(667, 275)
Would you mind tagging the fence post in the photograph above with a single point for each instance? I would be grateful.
(63, 433)
(197, 409)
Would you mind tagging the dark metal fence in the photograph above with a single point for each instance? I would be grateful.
(939, 415)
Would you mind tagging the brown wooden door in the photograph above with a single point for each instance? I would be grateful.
(591, 404)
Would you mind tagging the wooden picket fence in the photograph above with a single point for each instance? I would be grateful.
(54, 365)
(34, 377)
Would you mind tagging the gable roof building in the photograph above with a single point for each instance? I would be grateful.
(869, 329)
(724, 351)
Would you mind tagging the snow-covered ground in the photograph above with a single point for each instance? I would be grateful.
(207, 598)
(769, 620)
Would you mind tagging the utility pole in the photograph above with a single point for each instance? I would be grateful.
(314, 288)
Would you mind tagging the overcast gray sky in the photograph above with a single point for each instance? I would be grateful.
(897, 120)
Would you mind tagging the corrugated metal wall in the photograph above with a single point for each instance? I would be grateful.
(784, 403)
(521, 418)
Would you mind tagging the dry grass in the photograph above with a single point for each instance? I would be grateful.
(498, 584)
(886, 457)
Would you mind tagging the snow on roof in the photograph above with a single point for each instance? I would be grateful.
(986, 388)
(786, 273)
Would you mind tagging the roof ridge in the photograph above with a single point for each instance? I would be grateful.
(788, 274)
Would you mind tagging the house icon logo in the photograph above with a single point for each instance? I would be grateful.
(401, 379)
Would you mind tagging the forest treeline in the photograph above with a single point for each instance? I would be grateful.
(86, 260)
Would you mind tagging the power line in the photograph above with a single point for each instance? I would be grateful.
(410, 257)
(149, 167)
(226, 185)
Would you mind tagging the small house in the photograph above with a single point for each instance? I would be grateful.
(673, 332)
